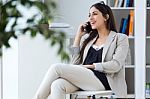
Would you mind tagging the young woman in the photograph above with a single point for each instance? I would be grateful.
(98, 60)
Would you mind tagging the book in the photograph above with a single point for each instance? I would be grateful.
(125, 2)
(128, 24)
(124, 25)
(148, 3)
(131, 4)
(120, 3)
(131, 23)
(116, 3)
(121, 25)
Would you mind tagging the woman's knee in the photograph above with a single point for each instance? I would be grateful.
(55, 66)
(58, 85)
(63, 86)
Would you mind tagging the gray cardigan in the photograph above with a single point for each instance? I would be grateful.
(116, 55)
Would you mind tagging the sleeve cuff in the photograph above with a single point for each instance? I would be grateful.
(98, 66)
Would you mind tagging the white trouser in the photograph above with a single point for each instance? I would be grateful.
(65, 78)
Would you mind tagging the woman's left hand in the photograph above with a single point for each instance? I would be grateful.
(89, 66)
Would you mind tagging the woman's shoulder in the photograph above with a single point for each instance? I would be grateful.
(121, 36)
(118, 35)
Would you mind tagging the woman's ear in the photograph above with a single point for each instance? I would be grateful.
(107, 17)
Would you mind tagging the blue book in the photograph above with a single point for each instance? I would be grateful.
(124, 25)
(128, 3)
(121, 25)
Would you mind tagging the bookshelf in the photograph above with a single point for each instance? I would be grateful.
(139, 41)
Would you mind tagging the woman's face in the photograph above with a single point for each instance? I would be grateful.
(96, 19)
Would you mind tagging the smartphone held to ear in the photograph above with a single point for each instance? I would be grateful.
(87, 27)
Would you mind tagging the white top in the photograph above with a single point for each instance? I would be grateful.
(97, 47)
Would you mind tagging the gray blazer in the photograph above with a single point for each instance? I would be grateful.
(116, 55)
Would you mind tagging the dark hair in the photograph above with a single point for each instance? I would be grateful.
(106, 10)
(110, 25)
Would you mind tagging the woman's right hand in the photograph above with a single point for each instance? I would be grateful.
(81, 31)
(79, 34)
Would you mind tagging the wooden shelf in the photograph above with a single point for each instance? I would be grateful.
(148, 8)
(147, 66)
(133, 66)
(129, 66)
(132, 37)
(130, 96)
(148, 37)
(122, 8)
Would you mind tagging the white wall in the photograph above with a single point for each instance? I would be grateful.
(35, 57)
(10, 71)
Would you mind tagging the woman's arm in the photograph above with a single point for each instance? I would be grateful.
(75, 49)
(118, 58)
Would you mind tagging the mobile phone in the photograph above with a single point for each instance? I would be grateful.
(88, 28)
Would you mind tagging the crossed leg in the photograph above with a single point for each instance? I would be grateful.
(63, 78)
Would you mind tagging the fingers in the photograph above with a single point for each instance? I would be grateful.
(85, 25)
(82, 29)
